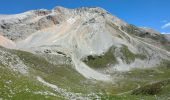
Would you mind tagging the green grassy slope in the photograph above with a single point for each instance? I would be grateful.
(64, 76)
(108, 58)
(16, 86)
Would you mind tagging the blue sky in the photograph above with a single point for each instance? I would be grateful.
(147, 13)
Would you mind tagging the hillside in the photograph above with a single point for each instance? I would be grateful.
(83, 53)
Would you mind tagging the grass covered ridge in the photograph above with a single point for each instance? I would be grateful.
(64, 76)
(108, 58)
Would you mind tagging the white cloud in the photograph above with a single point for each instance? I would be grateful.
(165, 32)
(166, 25)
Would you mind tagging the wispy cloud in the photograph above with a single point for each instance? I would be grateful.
(167, 25)
(165, 32)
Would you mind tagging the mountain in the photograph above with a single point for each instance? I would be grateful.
(83, 53)
(167, 36)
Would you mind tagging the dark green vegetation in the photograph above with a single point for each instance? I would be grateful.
(109, 58)
(102, 61)
(128, 56)
(153, 88)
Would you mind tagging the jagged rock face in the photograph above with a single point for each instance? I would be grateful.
(19, 26)
(79, 33)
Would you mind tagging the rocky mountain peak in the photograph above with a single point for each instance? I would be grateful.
(42, 12)
(60, 9)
